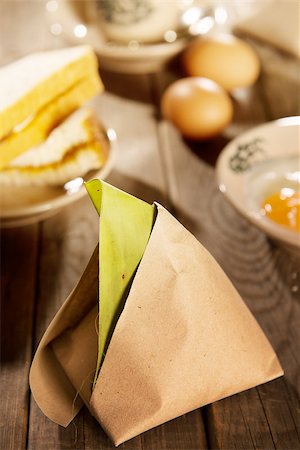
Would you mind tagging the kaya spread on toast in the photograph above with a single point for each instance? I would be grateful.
(44, 137)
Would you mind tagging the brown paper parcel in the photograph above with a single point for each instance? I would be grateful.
(184, 339)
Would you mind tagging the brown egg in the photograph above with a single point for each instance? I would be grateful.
(225, 59)
(198, 107)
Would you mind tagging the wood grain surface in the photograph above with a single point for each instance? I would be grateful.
(41, 263)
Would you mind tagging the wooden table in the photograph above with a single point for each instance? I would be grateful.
(42, 262)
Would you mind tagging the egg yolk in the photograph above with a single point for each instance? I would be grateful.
(284, 208)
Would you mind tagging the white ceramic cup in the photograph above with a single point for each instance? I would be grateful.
(144, 21)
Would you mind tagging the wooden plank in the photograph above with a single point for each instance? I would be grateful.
(271, 415)
(135, 187)
(280, 81)
(184, 433)
(133, 87)
(19, 258)
(96, 438)
(137, 144)
(238, 420)
(281, 399)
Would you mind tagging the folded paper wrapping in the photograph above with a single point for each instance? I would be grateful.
(184, 339)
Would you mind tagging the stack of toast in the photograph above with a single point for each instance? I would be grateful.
(47, 134)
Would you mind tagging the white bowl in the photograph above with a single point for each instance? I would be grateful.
(258, 163)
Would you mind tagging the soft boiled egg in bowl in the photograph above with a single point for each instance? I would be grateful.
(259, 173)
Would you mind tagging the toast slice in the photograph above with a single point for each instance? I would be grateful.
(75, 147)
(34, 81)
(75, 164)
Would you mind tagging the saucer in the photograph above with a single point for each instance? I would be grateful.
(258, 163)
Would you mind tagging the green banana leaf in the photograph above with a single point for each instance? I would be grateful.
(125, 227)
